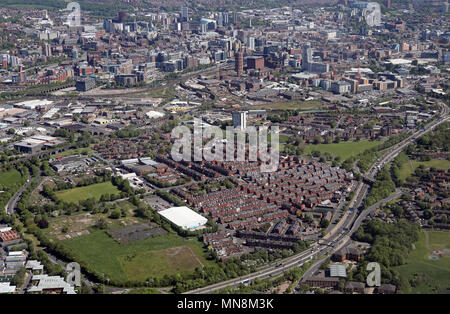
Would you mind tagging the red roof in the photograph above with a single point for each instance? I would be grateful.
(8, 235)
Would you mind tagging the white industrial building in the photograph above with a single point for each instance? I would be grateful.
(184, 217)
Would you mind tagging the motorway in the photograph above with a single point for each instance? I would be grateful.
(340, 235)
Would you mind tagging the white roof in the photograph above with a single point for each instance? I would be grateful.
(51, 282)
(31, 104)
(183, 217)
(338, 270)
(5, 287)
(154, 114)
(34, 264)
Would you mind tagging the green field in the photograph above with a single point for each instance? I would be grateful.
(10, 179)
(82, 193)
(10, 183)
(427, 275)
(408, 167)
(153, 257)
(75, 151)
(342, 149)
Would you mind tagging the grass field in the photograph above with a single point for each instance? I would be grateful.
(152, 257)
(85, 192)
(342, 149)
(76, 151)
(408, 167)
(291, 105)
(10, 179)
(10, 183)
(431, 276)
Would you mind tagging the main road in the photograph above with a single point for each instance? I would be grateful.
(340, 235)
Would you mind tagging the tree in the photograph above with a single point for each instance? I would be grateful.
(324, 223)
(18, 278)
(115, 214)
(427, 214)
(43, 223)
(101, 223)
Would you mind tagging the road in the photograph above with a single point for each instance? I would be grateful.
(340, 235)
(16, 197)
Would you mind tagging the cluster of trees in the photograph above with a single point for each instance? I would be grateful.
(262, 285)
(390, 246)
(367, 157)
(90, 204)
(396, 166)
(161, 184)
(19, 277)
(438, 140)
(127, 132)
(382, 187)
(170, 198)
(204, 187)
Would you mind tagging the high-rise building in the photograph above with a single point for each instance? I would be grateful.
(184, 13)
(307, 56)
(388, 4)
(308, 63)
(251, 43)
(225, 18)
(239, 119)
(235, 17)
(239, 63)
(47, 49)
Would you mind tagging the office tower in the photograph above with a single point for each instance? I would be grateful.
(184, 13)
(239, 119)
(307, 56)
(220, 20)
(239, 63)
(251, 43)
(225, 18)
(75, 54)
(47, 49)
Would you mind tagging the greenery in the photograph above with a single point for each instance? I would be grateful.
(423, 274)
(390, 247)
(138, 260)
(91, 191)
(343, 150)
(18, 279)
(381, 188)
(10, 183)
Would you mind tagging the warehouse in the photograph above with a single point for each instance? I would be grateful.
(184, 217)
